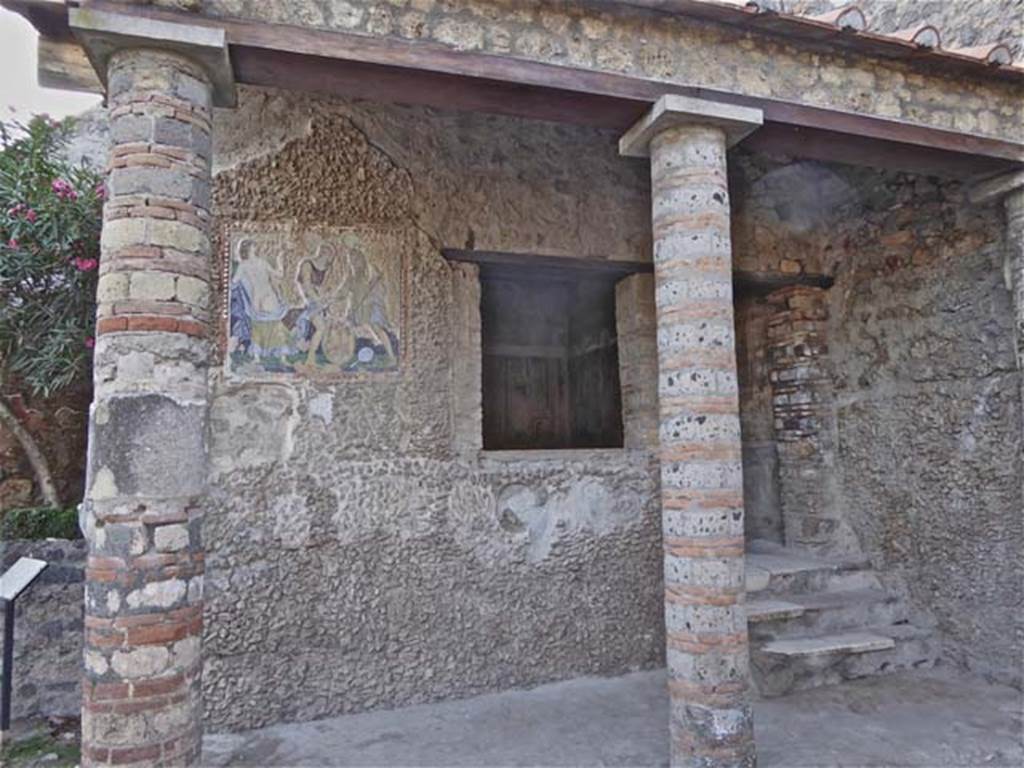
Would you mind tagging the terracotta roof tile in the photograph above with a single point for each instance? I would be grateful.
(921, 35)
(848, 28)
(994, 54)
(847, 17)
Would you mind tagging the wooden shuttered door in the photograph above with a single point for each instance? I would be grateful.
(550, 365)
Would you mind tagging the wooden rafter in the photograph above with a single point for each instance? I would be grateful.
(420, 72)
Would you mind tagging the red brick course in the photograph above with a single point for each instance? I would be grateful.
(141, 323)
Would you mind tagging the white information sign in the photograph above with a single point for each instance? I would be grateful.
(17, 578)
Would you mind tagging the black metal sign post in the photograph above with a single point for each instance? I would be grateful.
(15, 580)
(5, 692)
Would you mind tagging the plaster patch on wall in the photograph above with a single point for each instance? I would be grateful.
(538, 517)
(291, 520)
(600, 509)
(523, 511)
(261, 124)
(321, 406)
(252, 426)
(104, 485)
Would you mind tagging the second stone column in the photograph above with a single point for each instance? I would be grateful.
(699, 431)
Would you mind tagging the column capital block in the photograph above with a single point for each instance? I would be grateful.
(103, 33)
(995, 187)
(674, 110)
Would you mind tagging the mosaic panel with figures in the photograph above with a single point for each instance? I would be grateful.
(318, 303)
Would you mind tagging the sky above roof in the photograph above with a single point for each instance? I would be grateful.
(20, 95)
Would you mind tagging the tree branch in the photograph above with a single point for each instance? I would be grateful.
(40, 466)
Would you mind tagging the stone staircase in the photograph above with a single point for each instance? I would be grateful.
(816, 622)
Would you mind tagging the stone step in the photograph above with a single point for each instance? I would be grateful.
(817, 621)
(821, 613)
(768, 610)
(784, 572)
(848, 642)
(782, 666)
(762, 547)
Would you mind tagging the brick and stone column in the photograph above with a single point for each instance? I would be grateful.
(803, 406)
(142, 701)
(701, 470)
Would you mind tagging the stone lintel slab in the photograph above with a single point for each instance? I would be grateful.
(995, 187)
(674, 110)
(103, 33)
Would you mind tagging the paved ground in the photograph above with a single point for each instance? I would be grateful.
(929, 720)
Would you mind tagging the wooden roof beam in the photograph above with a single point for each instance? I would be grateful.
(418, 72)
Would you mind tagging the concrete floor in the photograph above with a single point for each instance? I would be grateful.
(930, 719)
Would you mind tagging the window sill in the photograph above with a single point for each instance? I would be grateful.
(555, 454)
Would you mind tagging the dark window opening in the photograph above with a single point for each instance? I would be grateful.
(550, 359)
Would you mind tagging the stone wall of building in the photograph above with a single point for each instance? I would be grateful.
(613, 37)
(920, 346)
(360, 553)
(929, 411)
(48, 629)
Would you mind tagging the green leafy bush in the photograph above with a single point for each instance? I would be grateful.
(40, 523)
(50, 217)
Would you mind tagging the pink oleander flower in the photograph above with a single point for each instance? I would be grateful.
(101, 191)
(64, 190)
(12, 243)
(85, 265)
(30, 216)
(16, 210)
(90, 342)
